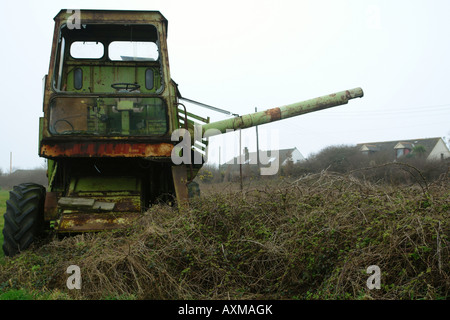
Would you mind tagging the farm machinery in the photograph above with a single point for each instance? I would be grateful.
(110, 109)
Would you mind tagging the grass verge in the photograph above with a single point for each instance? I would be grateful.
(4, 195)
(313, 238)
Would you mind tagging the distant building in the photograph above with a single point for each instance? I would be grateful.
(429, 149)
(249, 160)
(266, 157)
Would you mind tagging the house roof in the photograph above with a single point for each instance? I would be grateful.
(405, 145)
(369, 147)
(283, 154)
(428, 144)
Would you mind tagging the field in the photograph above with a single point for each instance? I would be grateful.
(310, 238)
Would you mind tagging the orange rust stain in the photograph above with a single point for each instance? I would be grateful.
(106, 149)
(51, 206)
(81, 222)
(274, 114)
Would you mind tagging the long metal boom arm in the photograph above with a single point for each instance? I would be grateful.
(280, 113)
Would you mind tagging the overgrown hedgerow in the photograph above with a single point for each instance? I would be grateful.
(313, 238)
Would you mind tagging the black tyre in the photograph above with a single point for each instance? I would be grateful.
(24, 217)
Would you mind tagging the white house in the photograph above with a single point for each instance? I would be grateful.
(266, 157)
(432, 148)
(272, 159)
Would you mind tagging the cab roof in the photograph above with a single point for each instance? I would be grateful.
(114, 16)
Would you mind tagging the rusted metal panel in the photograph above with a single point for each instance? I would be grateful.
(122, 191)
(179, 174)
(103, 206)
(82, 203)
(51, 206)
(113, 16)
(274, 114)
(86, 204)
(88, 222)
(123, 203)
(105, 149)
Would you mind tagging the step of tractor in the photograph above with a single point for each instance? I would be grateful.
(117, 203)
(87, 222)
(85, 203)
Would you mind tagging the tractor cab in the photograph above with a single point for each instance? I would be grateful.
(108, 78)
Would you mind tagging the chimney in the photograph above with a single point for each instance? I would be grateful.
(246, 155)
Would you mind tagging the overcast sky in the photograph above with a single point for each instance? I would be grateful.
(238, 55)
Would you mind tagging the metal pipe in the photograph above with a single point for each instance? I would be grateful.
(280, 113)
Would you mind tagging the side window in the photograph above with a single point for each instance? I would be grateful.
(87, 50)
(60, 62)
(133, 51)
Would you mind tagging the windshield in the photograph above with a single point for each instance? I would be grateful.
(108, 116)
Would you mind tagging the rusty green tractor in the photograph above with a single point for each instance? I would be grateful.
(110, 110)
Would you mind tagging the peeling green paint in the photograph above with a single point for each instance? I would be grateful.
(276, 114)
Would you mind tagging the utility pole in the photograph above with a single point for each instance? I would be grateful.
(257, 147)
(240, 157)
(10, 162)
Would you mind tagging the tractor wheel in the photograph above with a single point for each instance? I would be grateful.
(24, 217)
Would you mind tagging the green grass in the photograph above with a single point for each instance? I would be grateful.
(4, 195)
